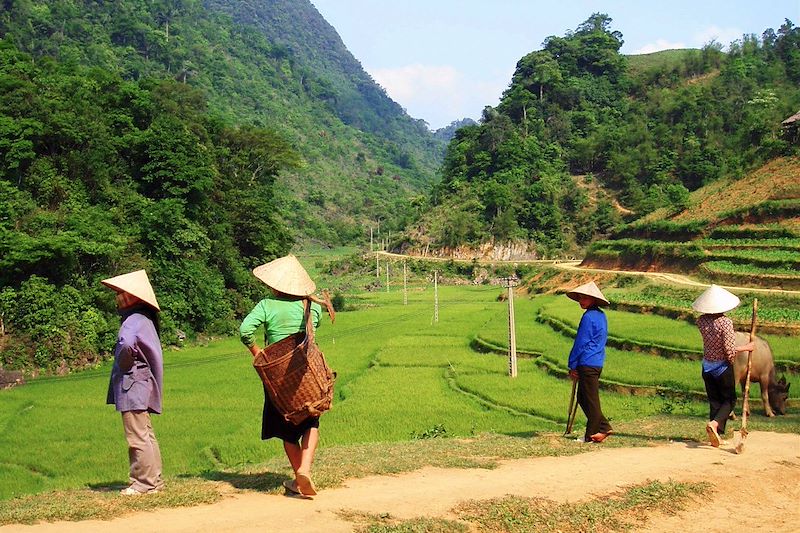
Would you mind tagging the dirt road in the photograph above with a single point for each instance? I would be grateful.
(574, 265)
(757, 490)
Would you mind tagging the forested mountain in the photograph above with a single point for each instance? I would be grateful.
(335, 76)
(579, 117)
(197, 139)
(194, 140)
(449, 131)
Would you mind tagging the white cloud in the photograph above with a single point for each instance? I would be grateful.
(660, 44)
(723, 36)
(439, 94)
(411, 81)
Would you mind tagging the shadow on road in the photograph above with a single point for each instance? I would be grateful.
(259, 481)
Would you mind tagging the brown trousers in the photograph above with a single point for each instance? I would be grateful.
(143, 451)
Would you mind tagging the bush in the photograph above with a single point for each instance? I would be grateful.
(52, 328)
(338, 301)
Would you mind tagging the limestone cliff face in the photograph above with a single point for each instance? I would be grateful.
(496, 251)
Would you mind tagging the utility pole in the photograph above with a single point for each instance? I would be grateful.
(377, 267)
(371, 249)
(511, 282)
(387, 276)
(405, 284)
(435, 297)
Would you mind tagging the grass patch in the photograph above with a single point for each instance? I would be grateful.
(103, 502)
(644, 329)
(745, 270)
(617, 512)
(386, 523)
(621, 511)
(622, 367)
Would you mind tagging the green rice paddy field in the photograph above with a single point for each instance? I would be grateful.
(401, 376)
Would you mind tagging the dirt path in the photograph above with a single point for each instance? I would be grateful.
(759, 490)
(574, 265)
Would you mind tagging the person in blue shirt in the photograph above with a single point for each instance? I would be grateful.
(587, 357)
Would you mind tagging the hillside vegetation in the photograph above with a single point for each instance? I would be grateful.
(199, 139)
(648, 129)
(737, 232)
(171, 136)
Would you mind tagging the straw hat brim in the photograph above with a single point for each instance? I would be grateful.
(286, 275)
(715, 300)
(135, 283)
(588, 289)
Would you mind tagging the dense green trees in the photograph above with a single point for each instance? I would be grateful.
(650, 129)
(100, 176)
(164, 135)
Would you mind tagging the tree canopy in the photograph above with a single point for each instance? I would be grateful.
(579, 118)
(189, 140)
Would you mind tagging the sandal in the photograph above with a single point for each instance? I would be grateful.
(305, 484)
(291, 486)
(713, 436)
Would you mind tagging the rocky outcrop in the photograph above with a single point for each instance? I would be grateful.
(490, 251)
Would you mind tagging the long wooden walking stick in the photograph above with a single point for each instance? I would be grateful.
(573, 408)
(574, 412)
(746, 400)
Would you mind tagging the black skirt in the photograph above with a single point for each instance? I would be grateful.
(274, 425)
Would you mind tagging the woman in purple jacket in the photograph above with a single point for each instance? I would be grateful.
(587, 357)
(136, 378)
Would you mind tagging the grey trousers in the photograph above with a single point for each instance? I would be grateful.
(143, 451)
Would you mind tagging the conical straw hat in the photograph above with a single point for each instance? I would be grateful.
(715, 300)
(589, 289)
(286, 275)
(135, 283)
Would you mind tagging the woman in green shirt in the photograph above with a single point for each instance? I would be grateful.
(282, 314)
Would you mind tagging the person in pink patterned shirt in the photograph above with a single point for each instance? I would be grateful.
(719, 350)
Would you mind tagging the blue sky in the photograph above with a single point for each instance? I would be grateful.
(443, 60)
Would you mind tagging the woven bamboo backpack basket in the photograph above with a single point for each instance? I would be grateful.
(296, 375)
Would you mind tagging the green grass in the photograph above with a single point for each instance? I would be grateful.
(622, 367)
(783, 243)
(666, 59)
(647, 329)
(407, 386)
(760, 258)
(609, 512)
(745, 269)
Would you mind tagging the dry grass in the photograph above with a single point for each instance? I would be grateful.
(619, 511)
(104, 503)
(777, 180)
